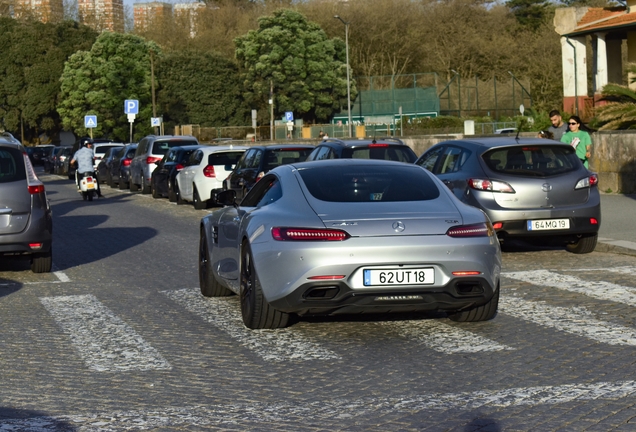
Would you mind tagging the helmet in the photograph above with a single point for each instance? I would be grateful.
(87, 141)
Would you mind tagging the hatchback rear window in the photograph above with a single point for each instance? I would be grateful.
(276, 158)
(229, 158)
(383, 152)
(538, 161)
(11, 165)
(344, 183)
(161, 147)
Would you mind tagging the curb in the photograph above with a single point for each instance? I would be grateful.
(621, 247)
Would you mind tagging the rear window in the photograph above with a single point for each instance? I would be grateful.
(103, 149)
(229, 158)
(344, 183)
(161, 147)
(538, 161)
(11, 165)
(279, 157)
(383, 152)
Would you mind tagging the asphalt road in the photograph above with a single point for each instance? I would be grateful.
(118, 338)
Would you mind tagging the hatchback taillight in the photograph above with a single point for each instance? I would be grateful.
(178, 167)
(475, 230)
(126, 162)
(152, 160)
(490, 185)
(587, 182)
(36, 189)
(308, 234)
(208, 171)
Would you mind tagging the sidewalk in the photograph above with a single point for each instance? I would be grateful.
(618, 224)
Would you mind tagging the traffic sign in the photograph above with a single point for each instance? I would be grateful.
(131, 106)
(90, 121)
(289, 116)
(155, 121)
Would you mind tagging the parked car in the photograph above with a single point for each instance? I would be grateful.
(150, 151)
(38, 154)
(103, 167)
(100, 149)
(532, 188)
(258, 160)
(202, 177)
(58, 167)
(350, 236)
(70, 169)
(120, 167)
(51, 159)
(382, 148)
(162, 178)
(26, 223)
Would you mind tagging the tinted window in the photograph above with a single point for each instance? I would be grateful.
(266, 191)
(256, 161)
(344, 183)
(11, 165)
(276, 157)
(429, 158)
(172, 156)
(383, 152)
(531, 160)
(247, 159)
(161, 147)
(452, 160)
(229, 158)
(103, 149)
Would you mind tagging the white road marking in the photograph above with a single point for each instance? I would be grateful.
(104, 341)
(62, 276)
(443, 337)
(328, 411)
(272, 345)
(575, 320)
(600, 290)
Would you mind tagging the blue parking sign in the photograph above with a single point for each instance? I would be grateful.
(90, 121)
(131, 106)
(289, 116)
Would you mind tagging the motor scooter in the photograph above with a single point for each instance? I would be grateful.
(87, 185)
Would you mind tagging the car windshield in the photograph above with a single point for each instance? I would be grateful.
(11, 165)
(161, 147)
(276, 157)
(224, 158)
(537, 160)
(381, 151)
(369, 183)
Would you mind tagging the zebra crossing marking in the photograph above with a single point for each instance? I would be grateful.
(272, 345)
(104, 341)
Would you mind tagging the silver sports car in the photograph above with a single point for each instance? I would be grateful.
(350, 236)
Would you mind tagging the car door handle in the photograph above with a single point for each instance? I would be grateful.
(6, 211)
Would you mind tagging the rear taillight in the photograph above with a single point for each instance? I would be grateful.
(260, 175)
(587, 182)
(178, 167)
(208, 171)
(152, 159)
(89, 179)
(126, 162)
(36, 189)
(490, 185)
(308, 234)
(483, 229)
(377, 145)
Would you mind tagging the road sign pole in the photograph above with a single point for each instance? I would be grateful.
(131, 132)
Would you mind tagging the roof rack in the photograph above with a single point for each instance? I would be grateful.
(10, 137)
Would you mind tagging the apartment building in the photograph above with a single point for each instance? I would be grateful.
(43, 10)
(143, 13)
(102, 14)
(186, 14)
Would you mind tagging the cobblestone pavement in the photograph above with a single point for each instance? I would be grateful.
(118, 339)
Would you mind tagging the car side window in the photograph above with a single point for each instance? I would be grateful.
(256, 162)
(265, 192)
(430, 158)
(324, 153)
(246, 160)
(452, 160)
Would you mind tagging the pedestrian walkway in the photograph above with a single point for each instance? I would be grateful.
(618, 228)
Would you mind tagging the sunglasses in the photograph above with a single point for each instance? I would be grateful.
(573, 123)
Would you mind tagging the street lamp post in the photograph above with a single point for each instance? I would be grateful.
(346, 24)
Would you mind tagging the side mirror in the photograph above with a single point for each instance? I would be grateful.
(226, 197)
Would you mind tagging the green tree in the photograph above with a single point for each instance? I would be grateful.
(620, 110)
(200, 88)
(34, 54)
(307, 69)
(531, 13)
(97, 82)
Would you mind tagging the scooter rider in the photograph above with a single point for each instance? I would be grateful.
(84, 158)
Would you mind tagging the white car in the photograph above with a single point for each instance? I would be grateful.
(202, 177)
(100, 149)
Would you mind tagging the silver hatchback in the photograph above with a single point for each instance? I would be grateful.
(25, 215)
(531, 188)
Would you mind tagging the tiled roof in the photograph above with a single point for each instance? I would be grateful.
(597, 19)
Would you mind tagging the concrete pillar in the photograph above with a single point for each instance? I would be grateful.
(574, 74)
(614, 60)
(600, 78)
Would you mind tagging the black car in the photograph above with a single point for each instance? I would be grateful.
(382, 148)
(258, 160)
(103, 167)
(120, 167)
(162, 178)
(51, 160)
(38, 154)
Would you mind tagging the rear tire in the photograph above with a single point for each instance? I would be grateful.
(153, 190)
(145, 189)
(111, 182)
(132, 185)
(586, 244)
(481, 313)
(210, 287)
(198, 204)
(42, 262)
(90, 195)
(180, 201)
(256, 312)
(172, 196)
